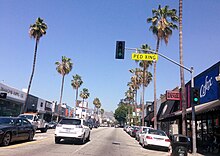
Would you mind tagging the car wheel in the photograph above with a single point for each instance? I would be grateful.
(143, 144)
(31, 136)
(6, 139)
(57, 140)
(44, 130)
(83, 140)
(88, 138)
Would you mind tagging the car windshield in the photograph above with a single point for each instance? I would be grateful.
(70, 122)
(156, 132)
(30, 117)
(7, 121)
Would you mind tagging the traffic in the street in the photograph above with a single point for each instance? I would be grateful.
(109, 78)
(108, 141)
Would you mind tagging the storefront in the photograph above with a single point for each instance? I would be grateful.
(208, 109)
(11, 101)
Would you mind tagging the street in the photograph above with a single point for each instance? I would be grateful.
(107, 141)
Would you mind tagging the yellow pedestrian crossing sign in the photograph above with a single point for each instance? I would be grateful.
(147, 57)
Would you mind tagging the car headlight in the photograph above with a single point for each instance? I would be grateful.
(1, 132)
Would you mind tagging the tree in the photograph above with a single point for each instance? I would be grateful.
(97, 104)
(162, 28)
(182, 70)
(146, 77)
(63, 68)
(76, 82)
(36, 31)
(102, 112)
(121, 114)
(84, 94)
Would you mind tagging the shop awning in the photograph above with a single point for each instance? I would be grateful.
(165, 109)
(202, 108)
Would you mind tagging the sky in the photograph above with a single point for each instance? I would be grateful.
(87, 31)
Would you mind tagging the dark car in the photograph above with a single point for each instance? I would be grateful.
(52, 124)
(15, 129)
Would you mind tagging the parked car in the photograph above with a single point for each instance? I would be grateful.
(141, 130)
(15, 129)
(133, 130)
(75, 129)
(52, 125)
(37, 120)
(154, 137)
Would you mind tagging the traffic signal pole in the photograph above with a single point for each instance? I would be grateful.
(191, 70)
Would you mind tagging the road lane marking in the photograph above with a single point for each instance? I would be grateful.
(24, 143)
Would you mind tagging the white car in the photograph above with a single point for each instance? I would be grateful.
(75, 129)
(140, 132)
(153, 137)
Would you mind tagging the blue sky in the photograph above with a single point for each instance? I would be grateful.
(86, 32)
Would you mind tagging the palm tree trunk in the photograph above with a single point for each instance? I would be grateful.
(155, 87)
(182, 70)
(32, 75)
(61, 93)
(144, 72)
(76, 94)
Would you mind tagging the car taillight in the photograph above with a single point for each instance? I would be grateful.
(149, 137)
(167, 140)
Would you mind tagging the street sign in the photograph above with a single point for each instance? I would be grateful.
(148, 57)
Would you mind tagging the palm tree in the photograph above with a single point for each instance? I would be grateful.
(36, 31)
(146, 77)
(76, 82)
(84, 94)
(102, 112)
(97, 103)
(181, 69)
(135, 85)
(63, 68)
(129, 98)
(162, 29)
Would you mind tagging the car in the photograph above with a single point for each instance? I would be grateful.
(153, 137)
(15, 129)
(133, 131)
(52, 125)
(141, 130)
(74, 129)
(37, 120)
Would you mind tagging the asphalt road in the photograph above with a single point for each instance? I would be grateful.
(104, 141)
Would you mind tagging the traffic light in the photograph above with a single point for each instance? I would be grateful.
(195, 96)
(3, 95)
(120, 49)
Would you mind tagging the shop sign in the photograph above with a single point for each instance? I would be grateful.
(207, 84)
(172, 95)
(12, 93)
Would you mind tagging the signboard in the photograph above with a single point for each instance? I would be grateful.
(12, 93)
(148, 57)
(207, 84)
(172, 95)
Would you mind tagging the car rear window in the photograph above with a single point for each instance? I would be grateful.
(157, 132)
(70, 122)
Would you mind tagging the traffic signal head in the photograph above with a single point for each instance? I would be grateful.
(120, 49)
(195, 96)
(3, 95)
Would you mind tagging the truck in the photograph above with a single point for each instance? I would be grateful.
(36, 119)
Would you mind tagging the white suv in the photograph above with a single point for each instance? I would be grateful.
(76, 129)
